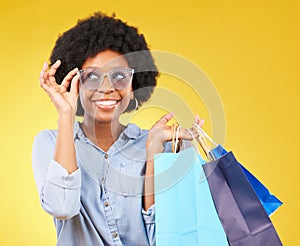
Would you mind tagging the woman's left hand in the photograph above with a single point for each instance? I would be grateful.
(160, 133)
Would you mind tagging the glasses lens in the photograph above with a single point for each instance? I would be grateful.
(121, 77)
(92, 78)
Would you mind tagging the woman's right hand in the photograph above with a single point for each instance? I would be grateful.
(64, 101)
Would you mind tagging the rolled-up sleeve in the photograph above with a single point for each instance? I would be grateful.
(59, 191)
(149, 220)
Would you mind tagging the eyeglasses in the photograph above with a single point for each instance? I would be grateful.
(119, 77)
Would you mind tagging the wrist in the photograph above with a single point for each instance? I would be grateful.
(65, 118)
(66, 110)
(152, 148)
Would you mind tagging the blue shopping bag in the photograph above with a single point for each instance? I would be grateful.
(269, 201)
(185, 212)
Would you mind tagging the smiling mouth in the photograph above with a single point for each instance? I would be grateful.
(107, 104)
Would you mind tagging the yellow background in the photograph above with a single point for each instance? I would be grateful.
(249, 50)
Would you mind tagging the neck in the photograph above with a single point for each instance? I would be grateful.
(102, 134)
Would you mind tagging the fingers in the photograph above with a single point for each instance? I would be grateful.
(198, 121)
(163, 132)
(70, 77)
(43, 73)
(74, 84)
(47, 77)
(160, 132)
(166, 118)
(54, 68)
(43, 78)
(48, 82)
(185, 134)
(45, 67)
(201, 123)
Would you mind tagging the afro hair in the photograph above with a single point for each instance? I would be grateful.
(100, 32)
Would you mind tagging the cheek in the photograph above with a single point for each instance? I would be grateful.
(84, 98)
(126, 97)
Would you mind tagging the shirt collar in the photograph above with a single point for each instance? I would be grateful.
(78, 133)
(131, 131)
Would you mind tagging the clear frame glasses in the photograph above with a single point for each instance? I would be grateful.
(119, 77)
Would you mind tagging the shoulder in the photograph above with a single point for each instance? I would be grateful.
(133, 131)
(44, 142)
(50, 135)
(45, 136)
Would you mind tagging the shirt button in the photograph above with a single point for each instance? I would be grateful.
(114, 234)
(106, 204)
(106, 156)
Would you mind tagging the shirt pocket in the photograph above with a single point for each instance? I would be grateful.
(132, 178)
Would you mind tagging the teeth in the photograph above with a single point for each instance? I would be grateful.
(106, 103)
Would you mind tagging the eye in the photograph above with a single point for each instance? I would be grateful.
(117, 75)
(92, 76)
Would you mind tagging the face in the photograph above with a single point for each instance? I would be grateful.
(105, 103)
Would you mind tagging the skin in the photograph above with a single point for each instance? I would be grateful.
(101, 122)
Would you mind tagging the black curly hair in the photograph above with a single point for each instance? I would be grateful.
(98, 33)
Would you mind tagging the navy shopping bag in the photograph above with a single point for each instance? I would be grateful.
(243, 216)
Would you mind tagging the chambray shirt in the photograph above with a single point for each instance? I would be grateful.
(101, 202)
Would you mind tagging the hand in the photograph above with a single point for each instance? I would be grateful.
(160, 132)
(64, 101)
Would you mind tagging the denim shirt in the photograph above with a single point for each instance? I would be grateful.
(101, 202)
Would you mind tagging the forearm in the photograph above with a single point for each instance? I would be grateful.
(152, 149)
(158, 135)
(148, 198)
(65, 153)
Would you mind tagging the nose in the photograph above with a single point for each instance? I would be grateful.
(106, 86)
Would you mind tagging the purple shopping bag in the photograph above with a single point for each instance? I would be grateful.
(241, 213)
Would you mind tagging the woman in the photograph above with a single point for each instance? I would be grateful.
(96, 177)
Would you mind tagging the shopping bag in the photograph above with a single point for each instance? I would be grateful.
(184, 210)
(269, 201)
(243, 217)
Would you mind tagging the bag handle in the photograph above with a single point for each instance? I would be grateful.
(175, 137)
(201, 137)
(176, 141)
(204, 133)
